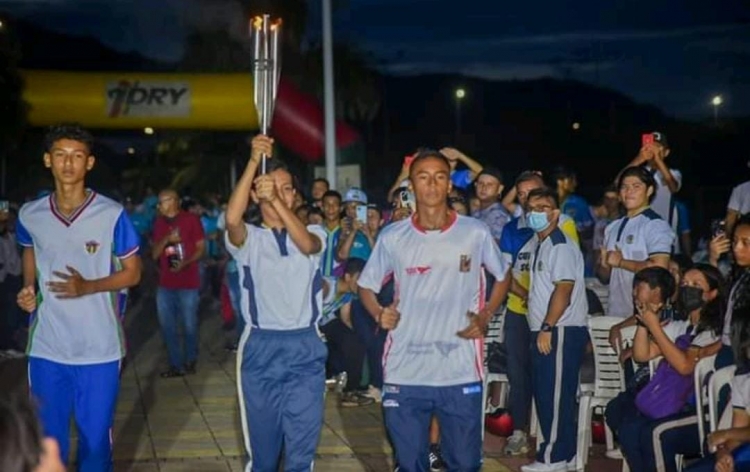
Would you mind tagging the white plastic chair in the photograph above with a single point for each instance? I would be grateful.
(721, 378)
(607, 384)
(703, 369)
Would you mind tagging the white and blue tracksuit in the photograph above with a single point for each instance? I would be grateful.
(281, 357)
(557, 260)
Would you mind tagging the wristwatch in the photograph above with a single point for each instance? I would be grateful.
(546, 328)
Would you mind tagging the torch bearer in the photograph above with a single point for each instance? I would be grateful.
(266, 37)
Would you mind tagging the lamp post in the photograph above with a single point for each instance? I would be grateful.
(716, 102)
(460, 94)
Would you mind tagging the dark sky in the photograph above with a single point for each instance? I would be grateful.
(675, 54)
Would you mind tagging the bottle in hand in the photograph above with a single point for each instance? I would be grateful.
(174, 251)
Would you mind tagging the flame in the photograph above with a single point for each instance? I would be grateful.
(276, 24)
(257, 23)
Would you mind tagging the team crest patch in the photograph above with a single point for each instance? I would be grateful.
(92, 247)
(629, 239)
(465, 264)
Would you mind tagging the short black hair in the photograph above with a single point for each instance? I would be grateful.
(321, 179)
(744, 220)
(332, 193)
(315, 211)
(354, 266)
(277, 164)
(492, 172)
(427, 153)
(643, 174)
(20, 434)
(562, 173)
(656, 277)
(527, 175)
(544, 192)
(72, 131)
(376, 207)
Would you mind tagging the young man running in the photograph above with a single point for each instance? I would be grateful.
(80, 251)
(433, 355)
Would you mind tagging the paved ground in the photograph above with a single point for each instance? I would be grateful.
(192, 423)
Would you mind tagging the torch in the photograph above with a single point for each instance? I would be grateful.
(266, 37)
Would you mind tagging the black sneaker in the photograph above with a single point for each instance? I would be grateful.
(171, 373)
(190, 368)
(351, 399)
(436, 458)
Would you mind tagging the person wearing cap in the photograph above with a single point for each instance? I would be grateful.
(489, 188)
(355, 240)
(739, 204)
(668, 181)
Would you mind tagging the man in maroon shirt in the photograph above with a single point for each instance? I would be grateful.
(178, 245)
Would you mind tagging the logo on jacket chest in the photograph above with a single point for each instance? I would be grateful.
(92, 247)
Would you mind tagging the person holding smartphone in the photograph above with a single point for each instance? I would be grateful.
(653, 155)
(356, 240)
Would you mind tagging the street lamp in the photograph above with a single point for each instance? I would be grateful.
(716, 102)
(460, 94)
(148, 130)
(576, 126)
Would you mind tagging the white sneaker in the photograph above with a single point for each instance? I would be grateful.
(517, 444)
(561, 466)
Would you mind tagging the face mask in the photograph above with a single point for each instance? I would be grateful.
(537, 220)
(691, 298)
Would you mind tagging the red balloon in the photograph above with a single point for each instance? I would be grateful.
(298, 124)
(499, 423)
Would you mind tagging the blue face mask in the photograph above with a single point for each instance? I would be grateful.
(537, 221)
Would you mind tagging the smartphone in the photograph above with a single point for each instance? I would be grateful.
(4, 205)
(718, 227)
(409, 159)
(406, 200)
(647, 138)
(362, 214)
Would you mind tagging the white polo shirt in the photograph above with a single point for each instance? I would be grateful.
(281, 288)
(662, 203)
(639, 238)
(439, 278)
(557, 259)
(94, 240)
(676, 328)
(741, 392)
(739, 201)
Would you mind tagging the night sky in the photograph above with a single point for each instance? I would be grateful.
(675, 54)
